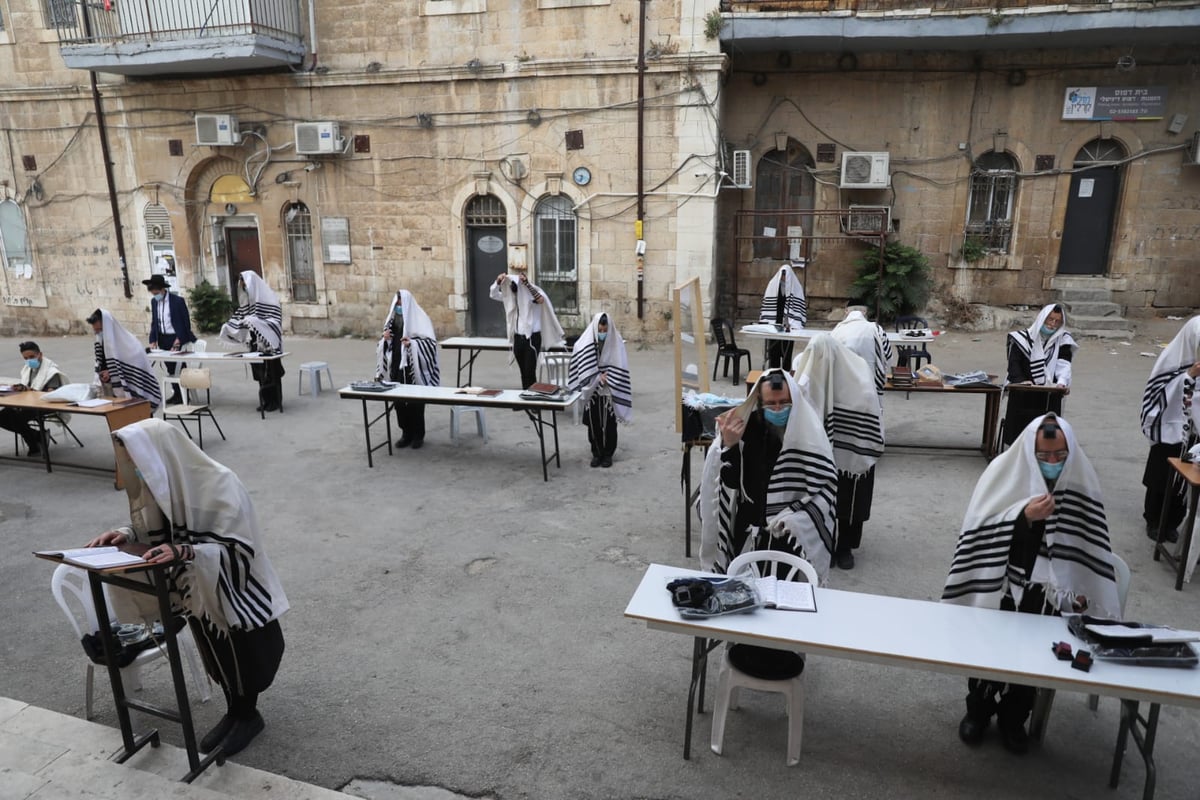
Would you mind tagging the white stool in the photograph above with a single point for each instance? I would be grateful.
(480, 421)
(313, 370)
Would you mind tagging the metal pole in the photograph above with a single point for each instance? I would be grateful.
(107, 156)
(641, 127)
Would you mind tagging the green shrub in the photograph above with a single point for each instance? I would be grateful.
(972, 249)
(903, 287)
(210, 307)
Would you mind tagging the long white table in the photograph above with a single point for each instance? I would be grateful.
(919, 634)
(450, 396)
(473, 345)
(895, 337)
(163, 357)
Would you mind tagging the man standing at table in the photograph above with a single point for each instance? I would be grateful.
(122, 367)
(769, 481)
(1035, 539)
(41, 375)
(529, 320)
(408, 353)
(783, 306)
(170, 325)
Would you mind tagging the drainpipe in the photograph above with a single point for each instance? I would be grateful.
(641, 181)
(102, 129)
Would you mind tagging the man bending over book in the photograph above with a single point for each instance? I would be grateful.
(39, 374)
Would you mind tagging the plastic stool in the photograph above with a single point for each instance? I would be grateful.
(480, 421)
(313, 370)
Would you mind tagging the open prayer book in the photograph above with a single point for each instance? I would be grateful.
(94, 557)
(94, 402)
(785, 595)
(479, 391)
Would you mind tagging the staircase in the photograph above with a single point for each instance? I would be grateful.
(1090, 309)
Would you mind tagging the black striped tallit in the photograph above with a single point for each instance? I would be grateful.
(590, 357)
(841, 387)
(1163, 414)
(124, 357)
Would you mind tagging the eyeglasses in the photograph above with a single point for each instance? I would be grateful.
(1051, 456)
(778, 405)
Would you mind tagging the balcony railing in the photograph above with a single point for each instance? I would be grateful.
(97, 21)
(875, 6)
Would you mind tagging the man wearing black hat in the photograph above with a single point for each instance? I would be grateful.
(170, 325)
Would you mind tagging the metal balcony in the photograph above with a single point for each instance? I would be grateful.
(150, 38)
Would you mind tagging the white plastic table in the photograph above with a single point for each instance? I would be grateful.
(163, 357)
(473, 345)
(938, 637)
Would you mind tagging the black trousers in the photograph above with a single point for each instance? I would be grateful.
(1163, 482)
(243, 663)
(853, 508)
(269, 375)
(20, 421)
(1010, 702)
(410, 418)
(165, 342)
(779, 354)
(602, 427)
(1024, 408)
(525, 351)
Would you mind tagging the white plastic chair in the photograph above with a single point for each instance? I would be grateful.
(69, 580)
(554, 366)
(192, 380)
(1045, 697)
(199, 346)
(731, 678)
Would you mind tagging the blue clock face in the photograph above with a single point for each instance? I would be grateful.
(582, 176)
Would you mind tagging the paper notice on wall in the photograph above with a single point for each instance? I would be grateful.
(1087, 186)
(768, 232)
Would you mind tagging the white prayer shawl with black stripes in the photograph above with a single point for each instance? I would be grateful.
(519, 308)
(1043, 353)
(869, 341)
(46, 370)
(230, 583)
(261, 314)
(842, 391)
(583, 374)
(1075, 557)
(795, 307)
(124, 356)
(1164, 420)
(801, 502)
(422, 350)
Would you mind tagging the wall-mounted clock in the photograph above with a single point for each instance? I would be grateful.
(582, 176)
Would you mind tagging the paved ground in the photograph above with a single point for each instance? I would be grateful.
(456, 622)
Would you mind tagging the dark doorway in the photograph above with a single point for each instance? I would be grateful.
(241, 244)
(783, 183)
(487, 257)
(1091, 209)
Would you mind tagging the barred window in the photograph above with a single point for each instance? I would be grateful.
(14, 241)
(555, 234)
(59, 13)
(990, 205)
(297, 227)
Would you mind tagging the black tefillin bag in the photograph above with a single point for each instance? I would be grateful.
(711, 597)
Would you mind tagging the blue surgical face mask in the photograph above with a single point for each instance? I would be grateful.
(1048, 332)
(137, 472)
(33, 363)
(602, 335)
(777, 416)
(399, 311)
(1051, 471)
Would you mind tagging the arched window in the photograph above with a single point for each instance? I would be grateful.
(297, 227)
(554, 233)
(782, 182)
(14, 243)
(990, 205)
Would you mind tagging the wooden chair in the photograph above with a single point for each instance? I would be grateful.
(727, 349)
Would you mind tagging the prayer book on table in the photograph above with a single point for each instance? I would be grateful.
(94, 557)
(786, 595)
(479, 391)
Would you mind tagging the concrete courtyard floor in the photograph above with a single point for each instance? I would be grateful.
(457, 622)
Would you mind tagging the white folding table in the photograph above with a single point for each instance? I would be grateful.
(163, 357)
(473, 345)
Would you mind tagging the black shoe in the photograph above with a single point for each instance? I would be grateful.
(219, 732)
(242, 733)
(259, 408)
(417, 444)
(403, 441)
(844, 560)
(971, 729)
(1170, 535)
(595, 461)
(606, 462)
(1015, 739)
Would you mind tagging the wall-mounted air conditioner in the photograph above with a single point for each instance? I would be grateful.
(868, 220)
(1192, 156)
(865, 171)
(318, 138)
(217, 130)
(739, 170)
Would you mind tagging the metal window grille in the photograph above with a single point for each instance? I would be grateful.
(158, 223)
(485, 210)
(298, 233)
(58, 13)
(990, 205)
(14, 243)
(555, 230)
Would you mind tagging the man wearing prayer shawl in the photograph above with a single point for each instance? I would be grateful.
(529, 320)
(408, 353)
(41, 375)
(841, 387)
(122, 366)
(191, 513)
(1041, 356)
(600, 371)
(784, 306)
(258, 325)
(1167, 423)
(769, 480)
(1034, 539)
(869, 341)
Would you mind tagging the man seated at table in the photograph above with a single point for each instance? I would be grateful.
(783, 306)
(1035, 539)
(41, 375)
(122, 366)
(1038, 356)
(769, 481)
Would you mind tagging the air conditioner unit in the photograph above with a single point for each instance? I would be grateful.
(1192, 156)
(865, 171)
(869, 219)
(740, 170)
(217, 130)
(318, 138)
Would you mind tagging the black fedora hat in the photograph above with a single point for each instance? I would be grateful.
(156, 282)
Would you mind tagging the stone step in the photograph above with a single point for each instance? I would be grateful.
(1080, 322)
(1116, 333)
(1084, 295)
(1091, 309)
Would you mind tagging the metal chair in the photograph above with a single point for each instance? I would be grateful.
(907, 353)
(727, 349)
(55, 418)
(192, 379)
